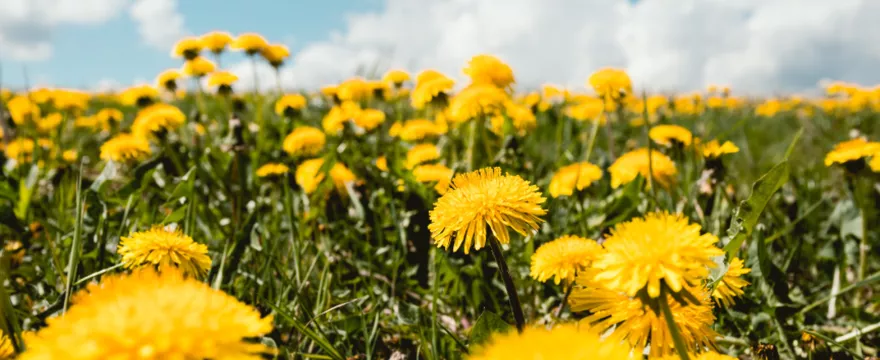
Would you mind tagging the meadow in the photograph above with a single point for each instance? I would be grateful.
(404, 215)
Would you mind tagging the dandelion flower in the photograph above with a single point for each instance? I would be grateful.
(216, 41)
(476, 101)
(250, 43)
(563, 258)
(354, 89)
(382, 163)
(151, 315)
(290, 104)
(223, 80)
(142, 95)
(667, 135)
(187, 48)
(575, 176)
(487, 69)
(428, 91)
(304, 140)
(275, 54)
(168, 79)
(635, 323)
(875, 163)
(89, 122)
(711, 355)
(21, 150)
(611, 83)
(658, 249)
(731, 284)
(521, 118)
(769, 108)
(713, 149)
(417, 130)
(69, 156)
(588, 109)
(440, 174)
(157, 118)
(369, 119)
(308, 175)
(485, 198)
(272, 170)
(49, 123)
(164, 249)
(124, 147)
(569, 342)
(421, 153)
(198, 67)
(6, 349)
(22, 110)
(634, 163)
(396, 77)
(851, 150)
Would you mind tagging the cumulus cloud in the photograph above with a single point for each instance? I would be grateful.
(159, 22)
(26, 26)
(757, 46)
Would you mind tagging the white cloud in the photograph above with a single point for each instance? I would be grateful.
(26, 26)
(757, 46)
(159, 22)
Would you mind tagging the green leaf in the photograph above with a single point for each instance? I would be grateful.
(311, 334)
(138, 176)
(176, 215)
(487, 324)
(750, 210)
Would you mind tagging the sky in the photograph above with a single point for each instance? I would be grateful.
(754, 46)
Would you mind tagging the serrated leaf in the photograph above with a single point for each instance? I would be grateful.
(750, 210)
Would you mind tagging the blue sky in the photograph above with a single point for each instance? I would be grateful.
(83, 55)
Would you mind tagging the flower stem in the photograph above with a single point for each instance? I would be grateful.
(564, 300)
(680, 346)
(515, 305)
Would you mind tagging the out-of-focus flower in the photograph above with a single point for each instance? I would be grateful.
(611, 83)
(487, 69)
(198, 67)
(421, 153)
(290, 104)
(49, 123)
(668, 135)
(354, 89)
(369, 119)
(157, 118)
(521, 117)
(22, 110)
(216, 41)
(142, 95)
(440, 174)
(275, 54)
(308, 175)
(304, 141)
(124, 147)
(272, 170)
(713, 149)
(396, 77)
(851, 150)
(575, 176)
(223, 80)
(69, 156)
(188, 48)
(164, 249)
(627, 167)
(588, 108)
(570, 342)
(250, 43)
(769, 108)
(475, 101)
(431, 87)
(417, 129)
(168, 80)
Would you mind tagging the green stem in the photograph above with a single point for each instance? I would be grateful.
(288, 207)
(593, 132)
(472, 141)
(512, 296)
(564, 300)
(680, 345)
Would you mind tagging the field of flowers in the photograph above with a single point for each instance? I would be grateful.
(407, 216)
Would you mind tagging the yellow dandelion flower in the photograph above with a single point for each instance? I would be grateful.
(354, 89)
(711, 355)
(731, 284)
(6, 349)
(635, 323)
(124, 147)
(308, 175)
(22, 150)
(164, 249)
(71, 100)
(157, 118)
(417, 130)
(485, 197)
(476, 101)
(569, 342)
(150, 315)
(587, 109)
(329, 91)
(713, 149)
(290, 104)
(769, 108)
(22, 110)
(562, 259)
(575, 176)
(272, 169)
(427, 91)
(667, 135)
(49, 123)
(611, 83)
(168, 79)
(382, 163)
(250, 43)
(70, 156)
(188, 48)
(142, 95)
(304, 140)
(440, 174)
(216, 41)
(334, 121)
(660, 248)
(396, 77)
(627, 167)
(198, 67)
(521, 118)
(369, 119)
(487, 69)
(275, 54)
(108, 116)
(875, 163)
(421, 153)
(851, 150)
(222, 78)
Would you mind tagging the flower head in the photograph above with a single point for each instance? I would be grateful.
(142, 96)
(667, 135)
(521, 118)
(272, 170)
(6, 349)
(575, 176)
(69, 156)
(157, 118)
(168, 79)
(475, 101)
(198, 67)
(216, 41)
(636, 162)
(611, 83)
(417, 129)
(22, 149)
(124, 147)
(151, 315)
(49, 123)
(188, 48)
(487, 69)
(250, 43)
(369, 119)
(851, 150)
(223, 80)
(569, 342)
(275, 54)
(485, 198)
(289, 104)
(713, 149)
(875, 163)
(396, 77)
(22, 110)
(429, 88)
(731, 284)
(563, 258)
(659, 249)
(440, 174)
(421, 153)
(304, 140)
(309, 176)
(164, 249)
